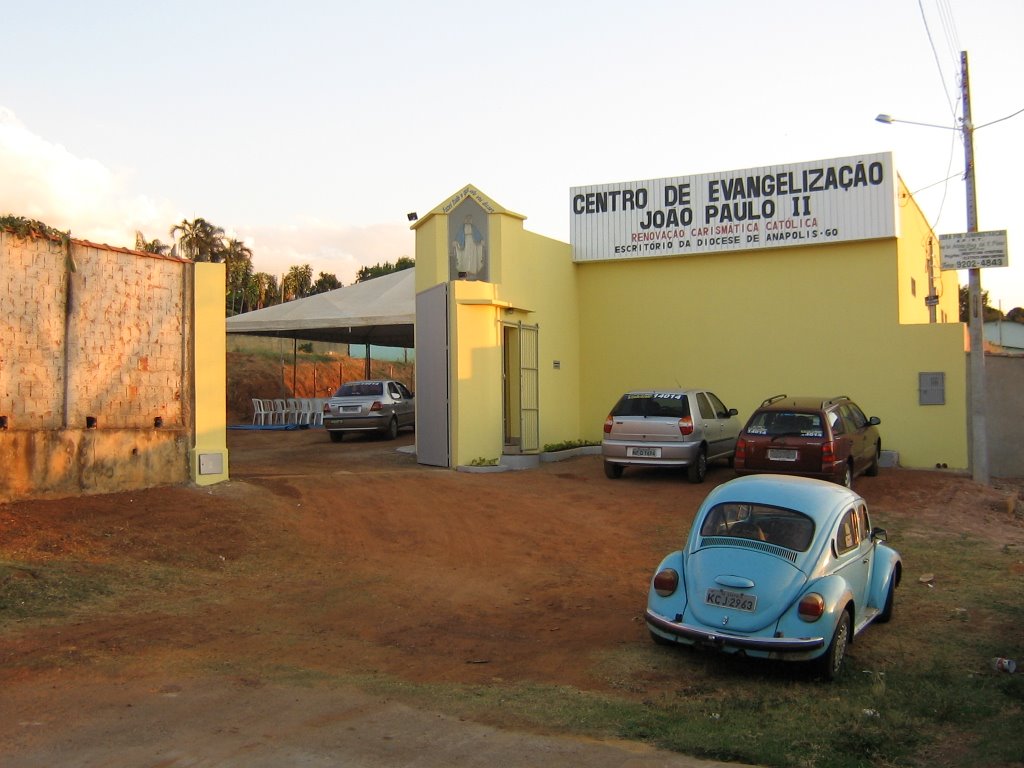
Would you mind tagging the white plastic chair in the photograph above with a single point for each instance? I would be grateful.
(305, 411)
(317, 411)
(291, 411)
(277, 415)
(259, 411)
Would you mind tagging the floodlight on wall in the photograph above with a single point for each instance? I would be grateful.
(90, 422)
(412, 216)
(3, 422)
(158, 421)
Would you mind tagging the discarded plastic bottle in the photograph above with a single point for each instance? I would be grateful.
(999, 664)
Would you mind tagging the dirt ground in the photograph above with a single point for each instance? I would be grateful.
(261, 602)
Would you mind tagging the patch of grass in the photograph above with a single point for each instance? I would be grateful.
(49, 590)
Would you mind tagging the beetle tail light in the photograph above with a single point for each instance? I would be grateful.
(608, 425)
(686, 425)
(666, 582)
(811, 607)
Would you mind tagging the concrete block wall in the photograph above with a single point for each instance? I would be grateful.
(103, 334)
(33, 285)
(125, 340)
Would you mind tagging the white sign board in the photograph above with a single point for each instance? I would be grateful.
(973, 250)
(814, 203)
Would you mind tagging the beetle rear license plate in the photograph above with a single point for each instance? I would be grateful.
(637, 452)
(725, 598)
(782, 454)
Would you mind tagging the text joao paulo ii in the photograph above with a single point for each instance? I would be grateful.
(838, 200)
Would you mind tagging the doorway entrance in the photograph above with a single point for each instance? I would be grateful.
(520, 389)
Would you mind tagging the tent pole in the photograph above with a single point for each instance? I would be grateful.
(295, 363)
(367, 360)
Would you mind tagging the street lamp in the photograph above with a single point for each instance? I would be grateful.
(975, 317)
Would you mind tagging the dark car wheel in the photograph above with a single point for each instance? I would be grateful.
(336, 437)
(698, 468)
(831, 662)
(872, 470)
(659, 640)
(847, 476)
(392, 432)
(612, 471)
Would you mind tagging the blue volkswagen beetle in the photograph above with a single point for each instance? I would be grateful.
(776, 567)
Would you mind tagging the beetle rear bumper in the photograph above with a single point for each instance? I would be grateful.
(702, 636)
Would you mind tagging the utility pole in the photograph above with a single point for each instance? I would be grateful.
(976, 312)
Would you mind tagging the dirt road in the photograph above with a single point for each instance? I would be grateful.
(241, 623)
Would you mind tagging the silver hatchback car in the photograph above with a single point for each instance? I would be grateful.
(669, 428)
(379, 405)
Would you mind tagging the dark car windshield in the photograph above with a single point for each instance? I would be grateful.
(672, 404)
(361, 388)
(775, 423)
(773, 525)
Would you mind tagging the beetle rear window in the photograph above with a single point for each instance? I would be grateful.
(673, 405)
(774, 525)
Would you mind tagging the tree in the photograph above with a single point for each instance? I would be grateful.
(377, 270)
(150, 246)
(238, 259)
(326, 282)
(989, 313)
(199, 240)
(1016, 315)
(297, 283)
(266, 291)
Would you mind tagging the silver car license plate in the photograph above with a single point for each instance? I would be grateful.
(638, 452)
(782, 454)
(726, 598)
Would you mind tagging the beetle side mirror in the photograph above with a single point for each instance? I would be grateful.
(874, 421)
(879, 534)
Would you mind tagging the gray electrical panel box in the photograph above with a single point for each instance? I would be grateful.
(931, 388)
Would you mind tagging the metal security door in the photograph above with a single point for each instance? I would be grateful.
(529, 389)
(432, 421)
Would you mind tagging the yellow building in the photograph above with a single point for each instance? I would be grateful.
(816, 278)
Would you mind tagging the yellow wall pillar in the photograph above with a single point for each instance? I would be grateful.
(208, 458)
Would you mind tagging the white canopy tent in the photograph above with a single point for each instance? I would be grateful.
(381, 311)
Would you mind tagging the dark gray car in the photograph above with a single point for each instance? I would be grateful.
(669, 428)
(379, 405)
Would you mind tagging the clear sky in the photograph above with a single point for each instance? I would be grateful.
(309, 129)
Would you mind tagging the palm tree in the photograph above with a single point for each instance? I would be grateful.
(266, 289)
(150, 246)
(238, 257)
(297, 283)
(199, 241)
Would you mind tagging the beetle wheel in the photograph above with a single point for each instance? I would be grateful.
(831, 662)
